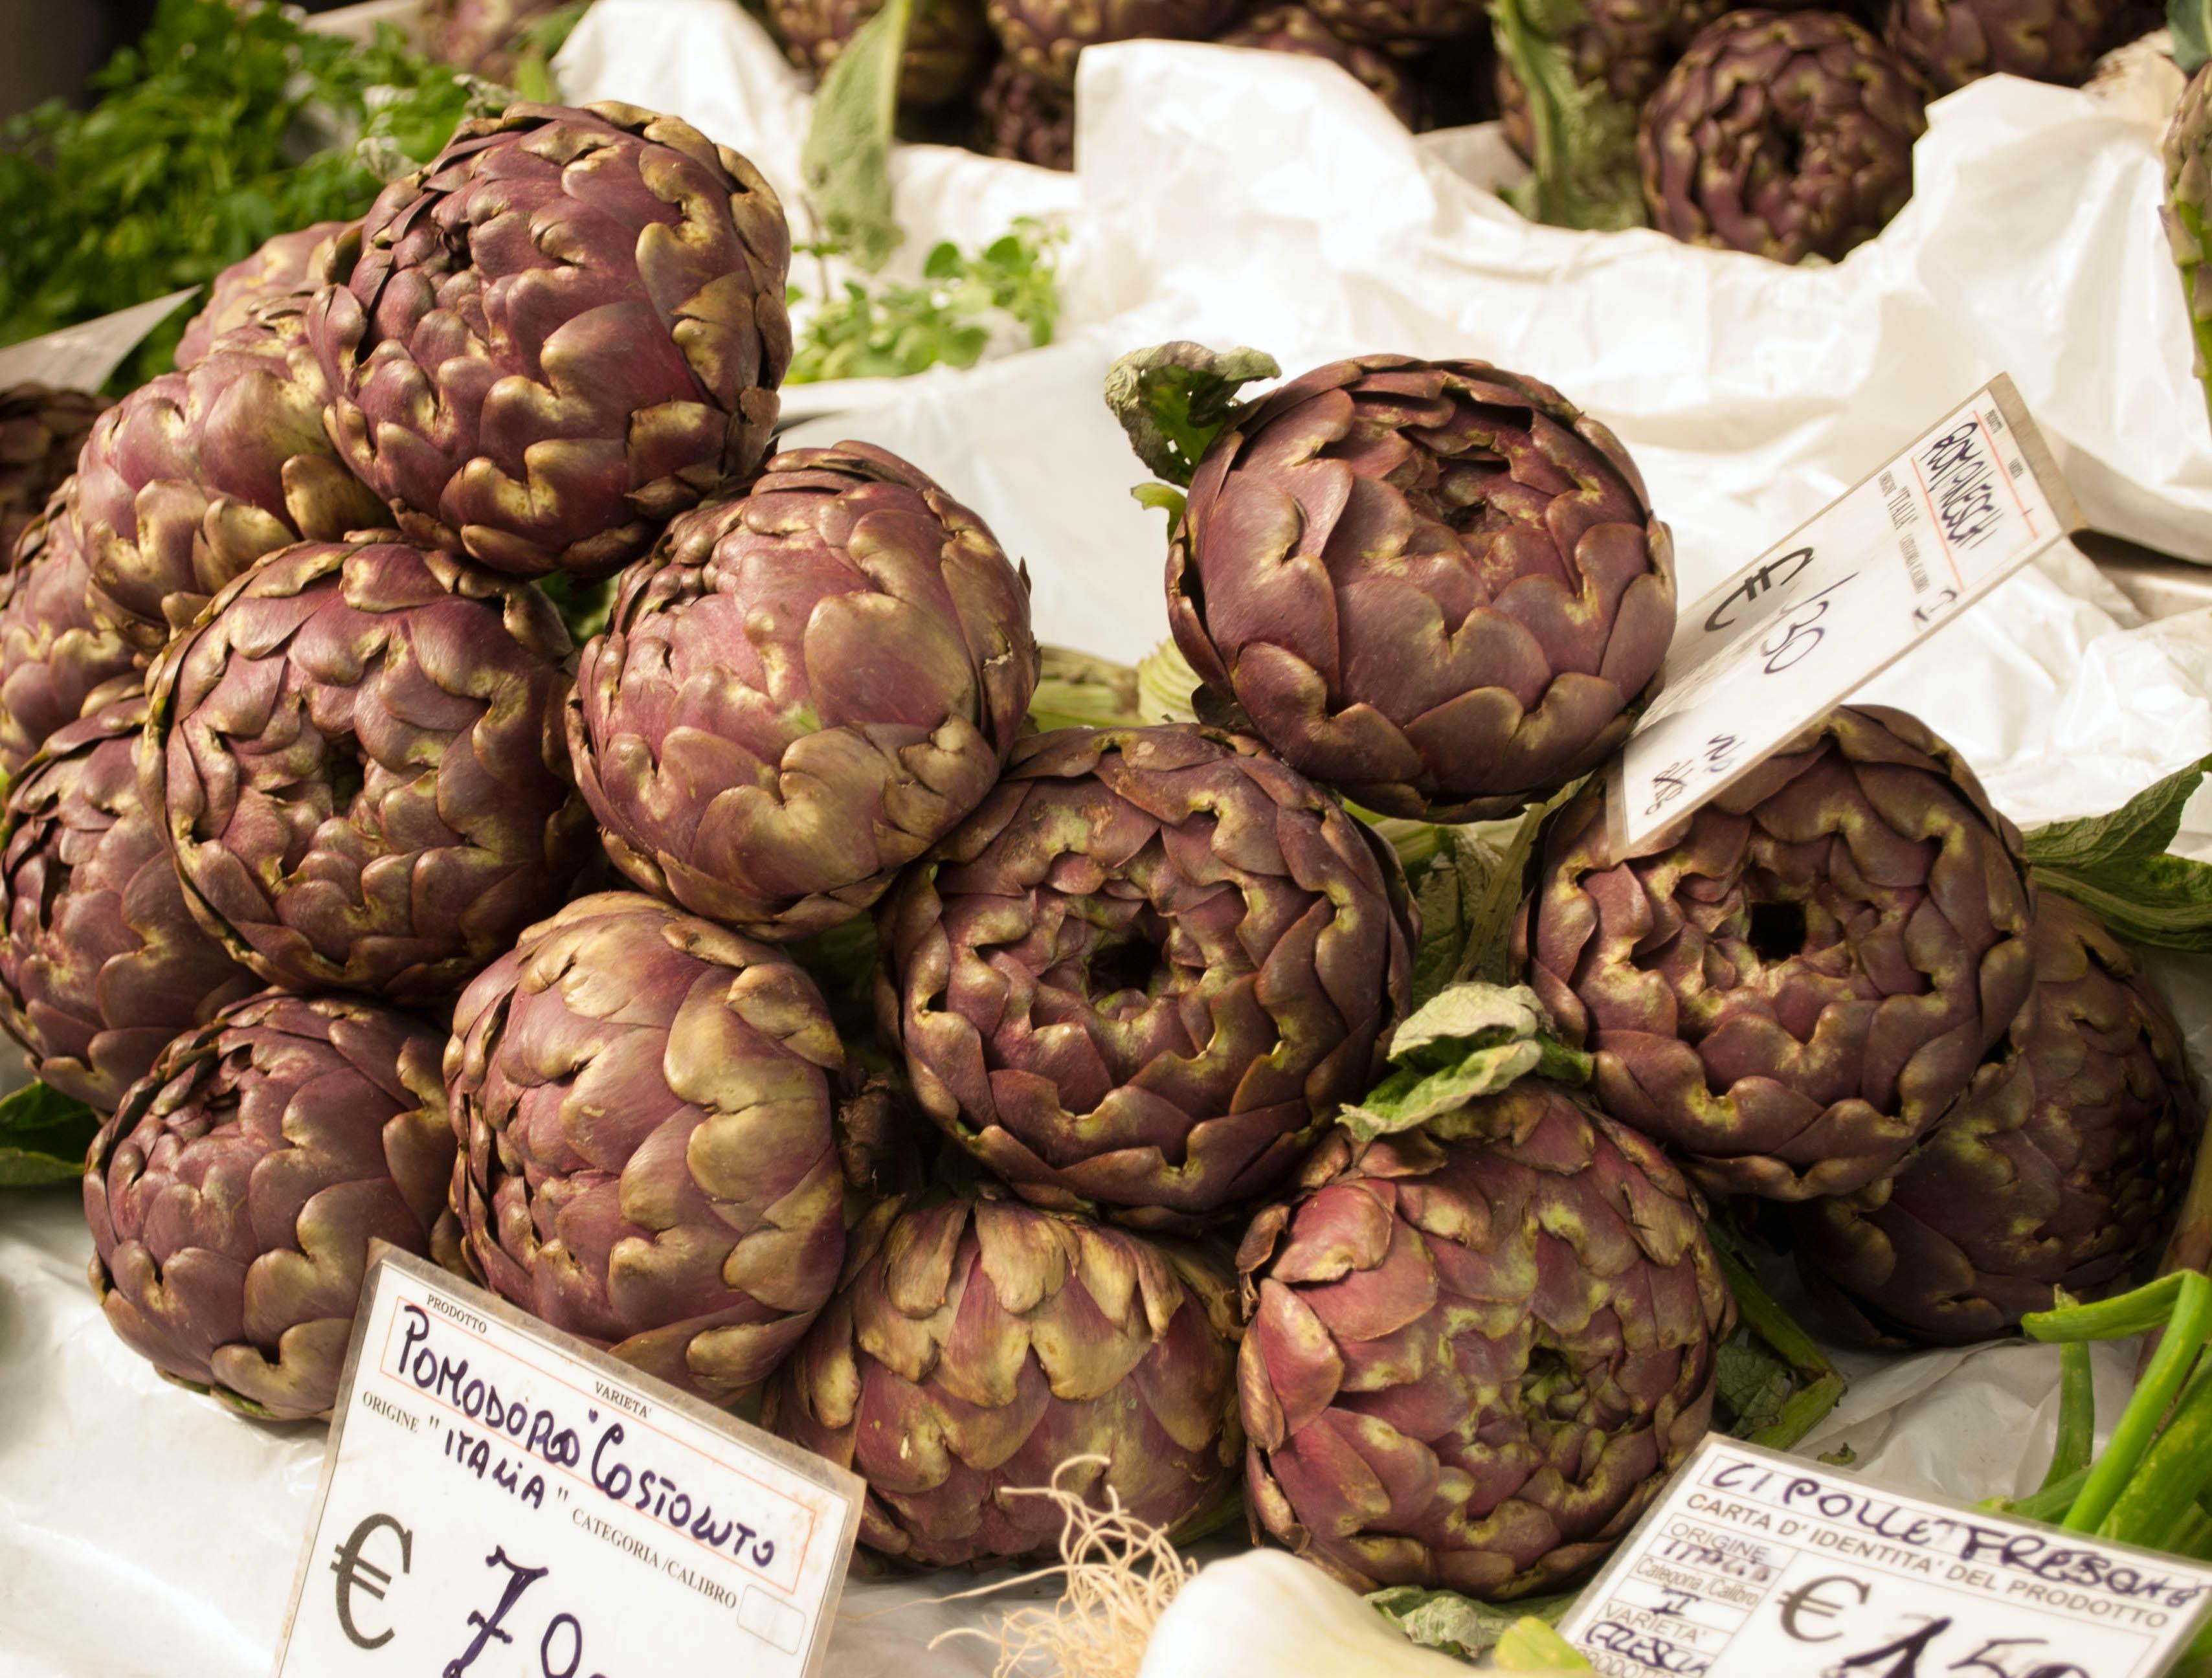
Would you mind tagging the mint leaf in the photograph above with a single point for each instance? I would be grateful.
(44, 1136)
(846, 162)
(1174, 398)
(2118, 865)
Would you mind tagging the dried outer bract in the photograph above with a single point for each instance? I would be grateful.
(190, 479)
(1026, 119)
(644, 1102)
(41, 430)
(1435, 587)
(976, 1344)
(1785, 135)
(1404, 27)
(1299, 28)
(1045, 37)
(2060, 1167)
(479, 36)
(2188, 192)
(102, 964)
(288, 263)
(564, 332)
(357, 755)
(947, 42)
(234, 1195)
(1949, 43)
(1473, 1363)
(57, 645)
(1147, 971)
(1791, 989)
(801, 689)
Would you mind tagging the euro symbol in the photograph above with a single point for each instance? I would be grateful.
(1804, 1600)
(355, 1574)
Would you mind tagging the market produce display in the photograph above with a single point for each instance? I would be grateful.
(41, 429)
(947, 42)
(2188, 198)
(234, 1193)
(1950, 42)
(976, 1344)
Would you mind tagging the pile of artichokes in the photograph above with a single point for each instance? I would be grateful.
(364, 903)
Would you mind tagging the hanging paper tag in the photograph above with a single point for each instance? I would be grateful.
(500, 1501)
(1756, 1564)
(1791, 636)
(81, 357)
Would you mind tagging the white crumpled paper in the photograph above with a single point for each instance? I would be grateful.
(1245, 197)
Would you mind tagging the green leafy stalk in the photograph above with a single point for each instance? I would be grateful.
(2120, 1317)
(44, 1136)
(1776, 1385)
(2160, 1496)
(1468, 881)
(2118, 866)
(2077, 1415)
(1584, 172)
(845, 163)
(1174, 398)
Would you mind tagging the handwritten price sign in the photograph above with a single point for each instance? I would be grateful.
(501, 1501)
(1756, 1565)
(1793, 633)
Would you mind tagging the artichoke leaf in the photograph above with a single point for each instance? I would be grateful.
(846, 162)
(44, 1136)
(1511, 1633)
(1773, 1384)
(2119, 864)
(1173, 399)
(1584, 174)
(1467, 1040)
(2191, 23)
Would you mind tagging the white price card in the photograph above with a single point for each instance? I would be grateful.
(1756, 1564)
(500, 1501)
(1847, 594)
(81, 357)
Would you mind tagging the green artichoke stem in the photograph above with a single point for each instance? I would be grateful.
(2077, 1415)
(2120, 1317)
(2051, 1503)
(2158, 1500)
(1823, 1384)
(2186, 1331)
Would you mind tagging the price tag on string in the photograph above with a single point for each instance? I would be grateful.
(1756, 1564)
(500, 1500)
(1844, 597)
(81, 357)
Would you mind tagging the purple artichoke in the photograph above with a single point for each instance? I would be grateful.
(1045, 37)
(190, 479)
(1026, 119)
(1949, 43)
(1792, 987)
(285, 266)
(1299, 28)
(41, 430)
(1404, 27)
(1474, 1363)
(57, 647)
(234, 1195)
(1435, 587)
(975, 1345)
(1788, 136)
(2059, 1168)
(357, 751)
(1146, 972)
(947, 42)
(801, 690)
(1619, 49)
(644, 1103)
(103, 964)
(565, 330)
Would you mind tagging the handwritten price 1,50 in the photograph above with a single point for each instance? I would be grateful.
(1788, 643)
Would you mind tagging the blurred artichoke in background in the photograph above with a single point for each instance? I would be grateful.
(1026, 119)
(102, 964)
(1793, 988)
(235, 1193)
(285, 265)
(1787, 136)
(975, 1345)
(644, 1102)
(2188, 191)
(1949, 43)
(56, 646)
(947, 42)
(1146, 971)
(801, 689)
(190, 479)
(1045, 37)
(565, 330)
(1299, 28)
(1473, 1358)
(1437, 588)
(1618, 49)
(357, 755)
(2059, 1168)
(41, 429)
(1406, 27)
(481, 36)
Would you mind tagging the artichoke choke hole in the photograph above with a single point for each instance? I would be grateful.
(1777, 930)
